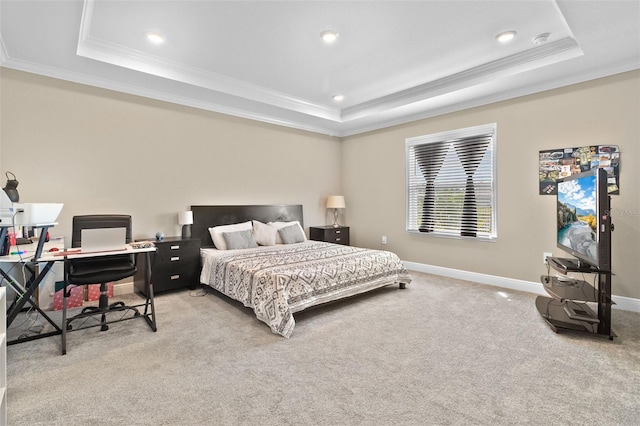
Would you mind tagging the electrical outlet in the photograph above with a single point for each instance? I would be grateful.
(544, 257)
(384, 239)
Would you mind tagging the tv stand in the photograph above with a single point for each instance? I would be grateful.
(567, 308)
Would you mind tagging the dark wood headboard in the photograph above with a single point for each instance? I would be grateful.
(204, 217)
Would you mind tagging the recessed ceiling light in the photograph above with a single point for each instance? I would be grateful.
(541, 39)
(338, 98)
(329, 36)
(155, 38)
(506, 36)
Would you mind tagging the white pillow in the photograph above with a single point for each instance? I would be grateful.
(218, 238)
(264, 234)
(279, 225)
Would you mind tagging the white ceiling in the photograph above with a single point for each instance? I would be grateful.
(394, 61)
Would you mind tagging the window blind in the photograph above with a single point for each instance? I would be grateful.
(450, 183)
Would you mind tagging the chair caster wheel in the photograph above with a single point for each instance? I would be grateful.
(136, 314)
(69, 327)
(104, 328)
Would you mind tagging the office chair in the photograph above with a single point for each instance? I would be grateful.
(99, 270)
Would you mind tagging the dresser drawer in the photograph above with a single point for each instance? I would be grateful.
(175, 264)
(176, 252)
(168, 277)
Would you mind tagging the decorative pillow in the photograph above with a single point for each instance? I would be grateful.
(291, 234)
(239, 240)
(216, 233)
(265, 235)
(279, 225)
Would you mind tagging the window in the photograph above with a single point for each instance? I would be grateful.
(451, 184)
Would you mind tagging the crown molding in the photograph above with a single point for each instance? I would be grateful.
(493, 98)
(560, 50)
(111, 53)
(330, 129)
(128, 58)
(117, 86)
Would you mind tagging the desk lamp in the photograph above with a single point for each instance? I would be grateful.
(186, 219)
(335, 202)
(11, 188)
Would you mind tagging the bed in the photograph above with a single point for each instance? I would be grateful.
(288, 273)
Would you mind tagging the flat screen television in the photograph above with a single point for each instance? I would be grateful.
(584, 224)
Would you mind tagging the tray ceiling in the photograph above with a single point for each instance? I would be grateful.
(393, 61)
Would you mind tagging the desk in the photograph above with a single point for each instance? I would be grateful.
(26, 294)
(149, 307)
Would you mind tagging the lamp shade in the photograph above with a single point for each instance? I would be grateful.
(335, 202)
(185, 218)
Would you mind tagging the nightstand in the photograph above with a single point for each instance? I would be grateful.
(330, 234)
(175, 264)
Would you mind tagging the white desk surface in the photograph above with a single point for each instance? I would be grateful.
(30, 250)
(34, 225)
(77, 254)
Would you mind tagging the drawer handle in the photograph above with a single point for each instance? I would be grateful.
(337, 231)
(174, 258)
(175, 247)
(175, 277)
(337, 239)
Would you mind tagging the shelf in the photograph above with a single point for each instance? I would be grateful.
(565, 265)
(576, 290)
(552, 310)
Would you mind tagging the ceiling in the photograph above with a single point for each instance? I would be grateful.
(393, 61)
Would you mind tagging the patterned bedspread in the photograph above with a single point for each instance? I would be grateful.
(277, 281)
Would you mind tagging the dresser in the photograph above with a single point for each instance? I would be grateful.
(175, 264)
(330, 234)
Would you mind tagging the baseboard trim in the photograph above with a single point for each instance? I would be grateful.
(621, 302)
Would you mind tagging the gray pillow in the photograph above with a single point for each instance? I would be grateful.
(239, 239)
(291, 234)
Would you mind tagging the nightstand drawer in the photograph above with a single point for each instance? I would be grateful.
(330, 234)
(337, 235)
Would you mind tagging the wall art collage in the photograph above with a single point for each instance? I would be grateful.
(556, 164)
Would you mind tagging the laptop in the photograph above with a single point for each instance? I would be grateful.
(103, 239)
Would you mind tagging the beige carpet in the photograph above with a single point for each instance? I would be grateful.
(440, 352)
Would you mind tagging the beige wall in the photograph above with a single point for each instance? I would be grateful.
(604, 111)
(100, 151)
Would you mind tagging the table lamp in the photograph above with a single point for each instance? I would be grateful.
(335, 202)
(186, 219)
